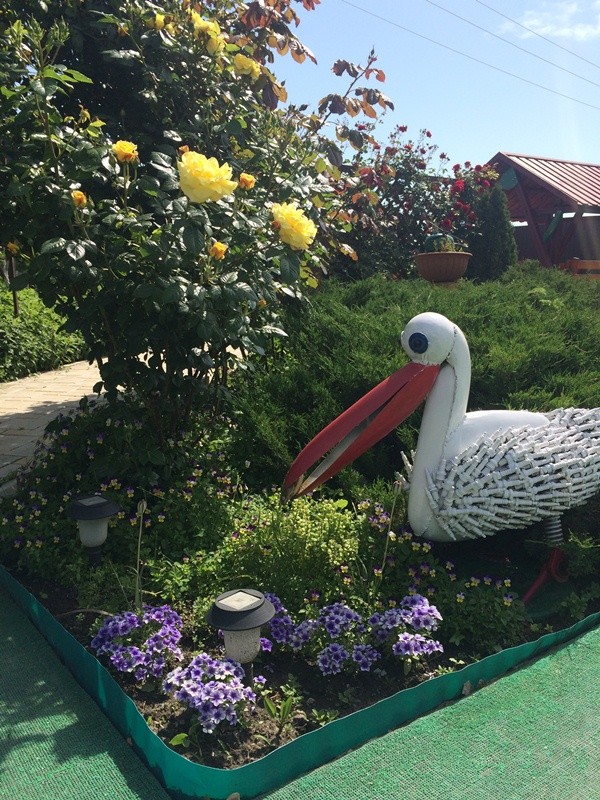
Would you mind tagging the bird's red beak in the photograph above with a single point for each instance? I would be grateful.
(359, 427)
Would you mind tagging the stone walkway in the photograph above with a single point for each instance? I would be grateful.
(29, 404)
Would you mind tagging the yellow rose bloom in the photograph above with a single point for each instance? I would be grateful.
(79, 199)
(294, 226)
(246, 66)
(209, 28)
(247, 181)
(202, 179)
(200, 24)
(215, 43)
(218, 251)
(125, 151)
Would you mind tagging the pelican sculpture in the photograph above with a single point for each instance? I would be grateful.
(473, 474)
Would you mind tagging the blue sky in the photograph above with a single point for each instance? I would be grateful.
(472, 109)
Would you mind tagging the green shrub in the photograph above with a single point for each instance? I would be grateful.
(171, 247)
(492, 243)
(293, 551)
(33, 341)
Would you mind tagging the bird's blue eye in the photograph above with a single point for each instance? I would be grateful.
(418, 343)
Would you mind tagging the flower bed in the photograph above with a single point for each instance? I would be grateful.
(185, 779)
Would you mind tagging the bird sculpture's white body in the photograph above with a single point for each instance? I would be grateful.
(473, 474)
(477, 473)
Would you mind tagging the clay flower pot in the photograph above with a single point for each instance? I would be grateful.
(445, 267)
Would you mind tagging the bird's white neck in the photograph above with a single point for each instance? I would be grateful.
(444, 412)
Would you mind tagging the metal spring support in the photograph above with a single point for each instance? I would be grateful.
(553, 531)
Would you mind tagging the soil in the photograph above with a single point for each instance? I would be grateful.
(317, 700)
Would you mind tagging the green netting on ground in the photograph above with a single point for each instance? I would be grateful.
(534, 735)
(55, 743)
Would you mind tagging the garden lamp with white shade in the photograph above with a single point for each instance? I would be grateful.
(240, 613)
(92, 512)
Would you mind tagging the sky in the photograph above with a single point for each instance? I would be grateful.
(447, 66)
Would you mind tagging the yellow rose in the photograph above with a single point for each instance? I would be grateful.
(294, 226)
(247, 181)
(218, 251)
(246, 66)
(202, 179)
(200, 24)
(125, 151)
(79, 199)
(215, 43)
(209, 28)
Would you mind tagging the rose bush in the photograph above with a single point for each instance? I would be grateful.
(400, 193)
(139, 241)
(144, 161)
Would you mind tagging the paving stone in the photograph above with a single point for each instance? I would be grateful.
(29, 404)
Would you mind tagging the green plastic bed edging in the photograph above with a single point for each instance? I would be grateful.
(186, 780)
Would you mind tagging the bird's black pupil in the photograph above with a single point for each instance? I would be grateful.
(418, 343)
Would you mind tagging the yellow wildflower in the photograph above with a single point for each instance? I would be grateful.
(159, 22)
(79, 199)
(202, 179)
(125, 151)
(246, 66)
(247, 181)
(13, 248)
(294, 226)
(218, 250)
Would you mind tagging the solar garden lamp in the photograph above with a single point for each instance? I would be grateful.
(92, 513)
(240, 613)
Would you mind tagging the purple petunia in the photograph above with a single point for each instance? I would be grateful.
(355, 643)
(214, 688)
(365, 655)
(143, 658)
(331, 659)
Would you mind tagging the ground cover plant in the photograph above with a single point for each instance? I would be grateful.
(33, 340)
(363, 607)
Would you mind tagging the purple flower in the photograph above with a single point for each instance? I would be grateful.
(414, 645)
(142, 657)
(278, 605)
(338, 618)
(213, 688)
(365, 655)
(331, 658)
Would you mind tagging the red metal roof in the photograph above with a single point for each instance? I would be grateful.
(554, 184)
